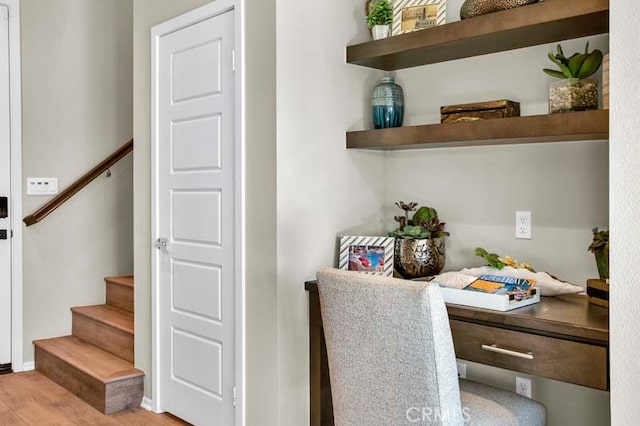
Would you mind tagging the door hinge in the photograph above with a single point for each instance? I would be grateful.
(233, 60)
(234, 396)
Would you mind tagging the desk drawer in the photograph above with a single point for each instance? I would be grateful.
(564, 360)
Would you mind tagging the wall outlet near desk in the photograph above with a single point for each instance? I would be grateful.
(523, 386)
(523, 225)
(462, 370)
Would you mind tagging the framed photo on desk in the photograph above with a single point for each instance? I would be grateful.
(371, 255)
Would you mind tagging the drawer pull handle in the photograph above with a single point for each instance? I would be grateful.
(495, 348)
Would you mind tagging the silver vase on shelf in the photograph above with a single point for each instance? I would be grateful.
(421, 257)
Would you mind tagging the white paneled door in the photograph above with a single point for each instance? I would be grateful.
(5, 190)
(195, 202)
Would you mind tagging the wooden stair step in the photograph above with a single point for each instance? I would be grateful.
(120, 292)
(106, 327)
(126, 280)
(100, 378)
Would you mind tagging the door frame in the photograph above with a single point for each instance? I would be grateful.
(195, 16)
(15, 208)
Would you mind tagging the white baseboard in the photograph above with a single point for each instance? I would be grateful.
(28, 366)
(147, 404)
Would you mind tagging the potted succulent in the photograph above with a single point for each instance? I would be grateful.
(600, 248)
(419, 245)
(379, 18)
(574, 92)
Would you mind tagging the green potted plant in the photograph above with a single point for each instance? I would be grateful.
(574, 92)
(600, 248)
(379, 18)
(419, 241)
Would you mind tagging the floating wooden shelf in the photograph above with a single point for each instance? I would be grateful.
(539, 23)
(573, 126)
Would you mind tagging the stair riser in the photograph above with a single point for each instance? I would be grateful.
(120, 296)
(103, 336)
(107, 398)
(124, 393)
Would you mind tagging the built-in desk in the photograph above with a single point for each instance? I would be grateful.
(566, 337)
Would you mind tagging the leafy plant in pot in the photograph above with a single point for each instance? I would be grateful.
(574, 92)
(419, 245)
(379, 19)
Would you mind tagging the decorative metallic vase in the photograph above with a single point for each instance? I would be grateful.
(387, 104)
(471, 8)
(419, 257)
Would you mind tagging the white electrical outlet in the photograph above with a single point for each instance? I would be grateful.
(42, 186)
(462, 370)
(523, 386)
(523, 225)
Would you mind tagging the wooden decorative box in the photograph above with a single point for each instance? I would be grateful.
(598, 292)
(479, 111)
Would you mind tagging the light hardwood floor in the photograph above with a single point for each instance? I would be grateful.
(32, 399)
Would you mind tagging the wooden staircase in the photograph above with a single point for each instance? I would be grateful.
(96, 361)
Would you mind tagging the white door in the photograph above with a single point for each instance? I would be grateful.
(195, 218)
(5, 189)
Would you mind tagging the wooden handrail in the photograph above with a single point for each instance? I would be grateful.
(85, 180)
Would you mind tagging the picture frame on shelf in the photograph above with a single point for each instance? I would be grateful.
(367, 254)
(413, 15)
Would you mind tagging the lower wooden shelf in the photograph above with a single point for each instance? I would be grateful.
(566, 127)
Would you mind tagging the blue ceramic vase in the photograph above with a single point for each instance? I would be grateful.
(387, 104)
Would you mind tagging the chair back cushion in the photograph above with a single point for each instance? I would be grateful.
(390, 351)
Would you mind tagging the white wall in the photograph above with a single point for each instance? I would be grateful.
(261, 381)
(625, 201)
(258, 19)
(77, 109)
(325, 190)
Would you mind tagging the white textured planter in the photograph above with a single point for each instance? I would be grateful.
(380, 31)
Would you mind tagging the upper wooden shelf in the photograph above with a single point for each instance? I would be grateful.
(572, 126)
(539, 23)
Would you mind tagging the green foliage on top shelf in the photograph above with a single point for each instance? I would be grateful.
(380, 14)
(423, 224)
(578, 65)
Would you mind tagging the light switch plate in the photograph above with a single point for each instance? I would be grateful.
(42, 186)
